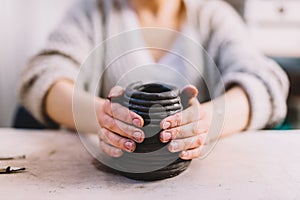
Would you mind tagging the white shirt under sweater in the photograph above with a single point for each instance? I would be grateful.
(170, 69)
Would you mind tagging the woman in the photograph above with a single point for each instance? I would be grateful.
(256, 88)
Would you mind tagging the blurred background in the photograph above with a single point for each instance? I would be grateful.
(274, 26)
(24, 28)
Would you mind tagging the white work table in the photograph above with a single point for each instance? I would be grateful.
(251, 165)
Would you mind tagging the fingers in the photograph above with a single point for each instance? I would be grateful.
(185, 131)
(110, 150)
(189, 115)
(193, 113)
(116, 141)
(122, 113)
(112, 145)
(122, 128)
(191, 154)
(187, 143)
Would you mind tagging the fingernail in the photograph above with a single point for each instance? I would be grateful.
(174, 146)
(117, 152)
(184, 154)
(166, 125)
(166, 136)
(137, 136)
(129, 146)
(136, 122)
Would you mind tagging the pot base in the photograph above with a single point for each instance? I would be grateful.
(170, 171)
(151, 159)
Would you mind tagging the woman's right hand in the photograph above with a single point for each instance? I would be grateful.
(120, 127)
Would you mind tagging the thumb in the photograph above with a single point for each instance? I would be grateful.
(116, 95)
(116, 91)
(190, 91)
(187, 93)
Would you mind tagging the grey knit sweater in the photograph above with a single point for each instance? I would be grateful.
(213, 24)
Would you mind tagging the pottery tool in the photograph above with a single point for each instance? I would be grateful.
(10, 170)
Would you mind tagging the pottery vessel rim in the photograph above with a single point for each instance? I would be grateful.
(139, 90)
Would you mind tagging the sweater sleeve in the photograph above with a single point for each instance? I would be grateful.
(240, 63)
(66, 49)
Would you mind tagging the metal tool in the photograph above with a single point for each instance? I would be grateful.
(13, 157)
(10, 170)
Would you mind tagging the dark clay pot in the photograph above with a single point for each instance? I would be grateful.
(153, 102)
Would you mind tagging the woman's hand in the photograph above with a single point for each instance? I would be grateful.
(119, 126)
(186, 130)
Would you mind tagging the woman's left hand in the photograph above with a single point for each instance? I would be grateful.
(188, 129)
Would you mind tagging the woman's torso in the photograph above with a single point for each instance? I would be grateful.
(128, 58)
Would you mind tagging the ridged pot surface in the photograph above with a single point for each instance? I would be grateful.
(153, 102)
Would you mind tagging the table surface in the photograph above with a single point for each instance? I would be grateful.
(251, 165)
